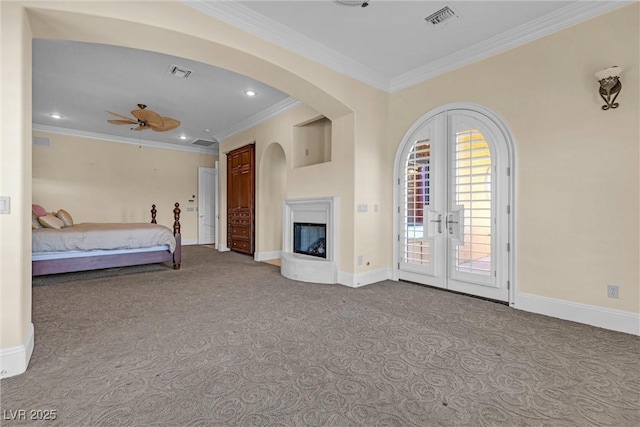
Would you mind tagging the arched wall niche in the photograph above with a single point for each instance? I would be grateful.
(272, 192)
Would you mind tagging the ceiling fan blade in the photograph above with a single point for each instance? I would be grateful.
(122, 122)
(120, 115)
(169, 124)
(141, 127)
(150, 117)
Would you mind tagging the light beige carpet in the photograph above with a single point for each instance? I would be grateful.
(228, 341)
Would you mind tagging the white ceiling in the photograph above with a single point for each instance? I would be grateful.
(387, 45)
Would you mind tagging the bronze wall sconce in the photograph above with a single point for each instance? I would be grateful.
(610, 86)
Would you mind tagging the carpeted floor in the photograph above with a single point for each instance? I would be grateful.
(229, 341)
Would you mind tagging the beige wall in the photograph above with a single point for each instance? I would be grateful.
(105, 181)
(15, 176)
(577, 166)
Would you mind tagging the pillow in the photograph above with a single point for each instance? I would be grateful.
(66, 218)
(38, 210)
(50, 221)
(34, 222)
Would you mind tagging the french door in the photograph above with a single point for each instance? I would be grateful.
(453, 205)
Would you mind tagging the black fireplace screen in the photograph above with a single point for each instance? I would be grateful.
(309, 239)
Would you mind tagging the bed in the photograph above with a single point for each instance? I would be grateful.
(93, 246)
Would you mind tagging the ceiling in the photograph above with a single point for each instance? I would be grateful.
(388, 45)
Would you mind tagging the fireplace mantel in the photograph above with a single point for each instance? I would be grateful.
(306, 268)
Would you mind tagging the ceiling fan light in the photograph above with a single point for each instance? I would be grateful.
(250, 92)
(56, 116)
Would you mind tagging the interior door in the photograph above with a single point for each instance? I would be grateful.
(206, 206)
(453, 206)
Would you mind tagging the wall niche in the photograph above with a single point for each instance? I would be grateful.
(312, 142)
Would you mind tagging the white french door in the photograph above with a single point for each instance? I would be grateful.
(453, 205)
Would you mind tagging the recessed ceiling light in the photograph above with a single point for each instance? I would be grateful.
(250, 92)
(183, 137)
(56, 115)
(207, 130)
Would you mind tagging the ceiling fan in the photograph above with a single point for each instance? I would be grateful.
(146, 119)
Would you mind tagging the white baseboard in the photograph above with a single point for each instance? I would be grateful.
(262, 256)
(362, 279)
(14, 360)
(607, 318)
(189, 242)
(222, 248)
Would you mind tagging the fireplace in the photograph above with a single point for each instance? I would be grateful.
(310, 239)
(310, 231)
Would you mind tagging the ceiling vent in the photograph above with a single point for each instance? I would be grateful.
(204, 142)
(179, 71)
(443, 16)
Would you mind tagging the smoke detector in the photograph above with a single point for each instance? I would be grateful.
(179, 71)
(443, 16)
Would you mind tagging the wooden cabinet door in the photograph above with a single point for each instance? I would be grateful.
(241, 199)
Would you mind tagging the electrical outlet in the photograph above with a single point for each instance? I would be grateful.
(359, 259)
(612, 291)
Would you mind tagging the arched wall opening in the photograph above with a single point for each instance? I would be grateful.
(272, 192)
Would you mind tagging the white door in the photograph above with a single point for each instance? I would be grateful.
(206, 205)
(454, 205)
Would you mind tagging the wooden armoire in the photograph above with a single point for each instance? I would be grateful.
(241, 199)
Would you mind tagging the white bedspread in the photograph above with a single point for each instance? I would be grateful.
(104, 236)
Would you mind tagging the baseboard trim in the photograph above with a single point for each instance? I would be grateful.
(607, 318)
(362, 279)
(189, 242)
(14, 360)
(263, 256)
(222, 249)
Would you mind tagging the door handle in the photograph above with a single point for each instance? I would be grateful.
(450, 222)
(439, 221)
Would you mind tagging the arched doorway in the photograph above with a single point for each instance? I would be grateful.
(454, 215)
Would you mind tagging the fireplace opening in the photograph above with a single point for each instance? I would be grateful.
(310, 239)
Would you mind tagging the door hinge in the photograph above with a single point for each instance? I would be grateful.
(398, 266)
(508, 209)
(508, 247)
(508, 285)
(398, 237)
(398, 181)
(495, 273)
(508, 171)
(398, 209)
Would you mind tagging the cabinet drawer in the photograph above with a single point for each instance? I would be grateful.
(240, 232)
(240, 245)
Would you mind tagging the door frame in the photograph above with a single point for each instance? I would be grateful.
(215, 203)
(511, 158)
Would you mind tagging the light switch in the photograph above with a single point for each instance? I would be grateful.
(5, 205)
(363, 208)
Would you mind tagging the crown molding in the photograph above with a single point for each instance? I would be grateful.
(259, 25)
(266, 28)
(124, 140)
(264, 115)
(565, 17)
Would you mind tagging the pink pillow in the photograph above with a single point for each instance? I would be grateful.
(38, 210)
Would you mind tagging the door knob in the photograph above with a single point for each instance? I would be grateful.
(439, 221)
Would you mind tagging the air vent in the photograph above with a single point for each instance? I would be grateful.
(204, 142)
(443, 16)
(179, 71)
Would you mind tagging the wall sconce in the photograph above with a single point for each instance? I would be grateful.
(610, 86)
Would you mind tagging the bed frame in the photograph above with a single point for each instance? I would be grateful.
(68, 265)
